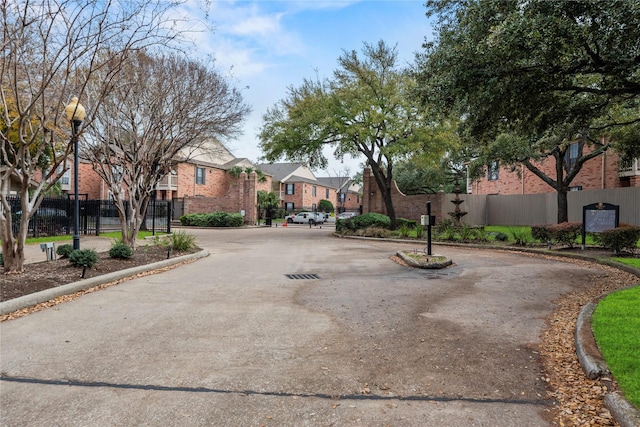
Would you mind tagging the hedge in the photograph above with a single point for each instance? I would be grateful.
(213, 219)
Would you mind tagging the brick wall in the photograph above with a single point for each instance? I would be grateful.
(240, 196)
(600, 172)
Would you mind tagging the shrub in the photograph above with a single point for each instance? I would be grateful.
(565, 233)
(541, 233)
(182, 241)
(404, 230)
(64, 251)
(482, 235)
(213, 219)
(520, 236)
(419, 231)
(443, 225)
(467, 232)
(83, 257)
(409, 223)
(370, 220)
(625, 237)
(500, 236)
(377, 232)
(121, 251)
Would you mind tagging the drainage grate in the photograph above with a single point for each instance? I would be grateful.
(302, 276)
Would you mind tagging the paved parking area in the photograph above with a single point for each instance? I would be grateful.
(233, 340)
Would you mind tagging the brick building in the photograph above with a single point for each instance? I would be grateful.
(601, 172)
(296, 186)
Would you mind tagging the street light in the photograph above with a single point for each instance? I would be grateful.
(75, 113)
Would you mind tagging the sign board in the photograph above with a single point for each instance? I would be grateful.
(599, 217)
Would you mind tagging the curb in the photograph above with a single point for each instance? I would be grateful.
(434, 265)
(20, 303)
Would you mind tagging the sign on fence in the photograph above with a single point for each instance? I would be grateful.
(599, 217)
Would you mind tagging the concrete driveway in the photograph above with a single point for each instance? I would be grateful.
(231, 340)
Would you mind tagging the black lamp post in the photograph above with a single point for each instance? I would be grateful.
(75, 113)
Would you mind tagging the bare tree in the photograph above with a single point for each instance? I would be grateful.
(163, 109)
(50, 51)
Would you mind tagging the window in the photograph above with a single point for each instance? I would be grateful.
(314, 191)
(288, 206)
(290, 189)
(64, 179)
(201, 174)
(342, 197)
(326, 193)
(493, 171)
(571, 156)
(576, 188)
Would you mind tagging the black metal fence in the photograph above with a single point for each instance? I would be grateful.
(55, 216)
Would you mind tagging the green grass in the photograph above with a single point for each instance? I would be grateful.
(616, 322)
(114, 235)
(634, 262)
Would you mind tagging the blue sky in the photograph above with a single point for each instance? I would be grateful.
(267, 46)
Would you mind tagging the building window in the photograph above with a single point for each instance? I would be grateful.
(201, 174)
(289, 189)
(326, 193)
(288, 206)
(493, 171)
(64, 179)
(314, 191)
(571, 156)
(342, 197)
(576, 188)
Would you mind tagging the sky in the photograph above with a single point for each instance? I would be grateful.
(265, 46)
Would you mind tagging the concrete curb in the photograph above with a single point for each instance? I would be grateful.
(434, 265)
(623, 412)
(49, 294)
(588, 352)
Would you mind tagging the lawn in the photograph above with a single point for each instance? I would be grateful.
(634, 262)
(616, 322)
(115, 235)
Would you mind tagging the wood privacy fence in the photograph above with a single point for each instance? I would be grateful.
(519, 209)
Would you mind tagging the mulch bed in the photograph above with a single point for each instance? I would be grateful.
(45, 275)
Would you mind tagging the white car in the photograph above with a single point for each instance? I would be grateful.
(306, 218)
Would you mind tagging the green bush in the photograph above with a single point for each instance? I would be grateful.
(409, 223)
(121, 251)
(182, 241)
(541, 233)
(565, 233)
(444, 225)
(377, 232)
(500, 236)
(64, 251)
(466, 232)
(404, 230)
(213, 219)
(83, 257)
(625, 237)
(420, 231)
(520, 236)
(482, 235)
(370, 220)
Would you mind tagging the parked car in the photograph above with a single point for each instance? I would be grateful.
(346, 215)
(306, 218)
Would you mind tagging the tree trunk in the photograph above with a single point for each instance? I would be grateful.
(563, 205)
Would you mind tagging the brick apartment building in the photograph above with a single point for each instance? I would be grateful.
(601, 172)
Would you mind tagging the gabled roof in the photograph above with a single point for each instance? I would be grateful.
(279, 171)
(296, 178)
(339, 182)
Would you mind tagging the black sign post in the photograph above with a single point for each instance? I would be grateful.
(599, 217)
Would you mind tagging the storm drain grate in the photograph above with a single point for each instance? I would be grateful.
(302, 276)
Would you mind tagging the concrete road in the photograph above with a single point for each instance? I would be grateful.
(231, 340)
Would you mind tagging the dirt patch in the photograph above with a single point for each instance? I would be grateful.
(45, 275)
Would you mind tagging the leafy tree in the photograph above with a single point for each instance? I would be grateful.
(365, 109)
(531, 78)
(165, 107)
(325, 205)
(52, 50)
(266, 200)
